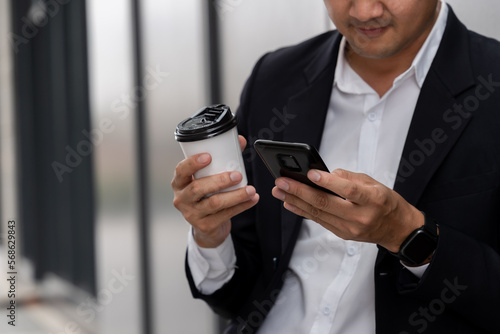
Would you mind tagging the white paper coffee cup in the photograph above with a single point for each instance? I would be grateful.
(213, 130)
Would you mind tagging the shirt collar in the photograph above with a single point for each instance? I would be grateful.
(347, 80)
(423, 59)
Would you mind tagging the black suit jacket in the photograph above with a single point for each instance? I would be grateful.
(450, 169)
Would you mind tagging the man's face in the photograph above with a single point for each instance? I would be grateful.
(382, 28)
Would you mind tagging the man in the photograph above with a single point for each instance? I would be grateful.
(404, 103)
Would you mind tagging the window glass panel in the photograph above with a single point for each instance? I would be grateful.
(251, 28)
(174, 49)
(112, 104)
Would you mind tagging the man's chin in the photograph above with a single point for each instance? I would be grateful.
(372, 51)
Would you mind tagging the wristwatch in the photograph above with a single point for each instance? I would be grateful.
(420, 244)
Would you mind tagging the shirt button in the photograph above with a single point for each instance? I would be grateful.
(352, 250)
(372, 117)
(326, 310)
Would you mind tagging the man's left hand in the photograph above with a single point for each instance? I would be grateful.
(370, 212)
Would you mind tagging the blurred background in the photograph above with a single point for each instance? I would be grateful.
(90, 94)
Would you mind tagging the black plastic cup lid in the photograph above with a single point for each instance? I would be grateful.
(208, 122)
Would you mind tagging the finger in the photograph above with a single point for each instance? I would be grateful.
(344, 228)
(185, 198)
(351, 186)
(301, 206)
(317, 203)
(293, 192)
(204, 186)
(193, 211)
(224, 200)
(228, 213)
(185, 169)
(243, 142)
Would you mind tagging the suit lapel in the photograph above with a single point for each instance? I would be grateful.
(432, 134)
(309, 107)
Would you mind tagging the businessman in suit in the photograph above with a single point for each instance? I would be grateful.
(404, 102)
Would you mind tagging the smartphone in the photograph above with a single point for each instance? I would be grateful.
(291, 160)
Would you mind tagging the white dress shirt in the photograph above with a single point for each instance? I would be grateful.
(329, 287)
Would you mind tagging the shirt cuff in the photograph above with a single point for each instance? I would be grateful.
(211, 268)
(417, 271)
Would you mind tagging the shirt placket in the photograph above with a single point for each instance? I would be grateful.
(368, 137)
(329, 304)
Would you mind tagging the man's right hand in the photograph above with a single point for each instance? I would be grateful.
(209, 216)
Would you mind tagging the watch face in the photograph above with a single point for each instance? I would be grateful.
(420, 247)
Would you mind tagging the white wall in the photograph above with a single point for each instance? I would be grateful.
(250, 28)
(480, 15)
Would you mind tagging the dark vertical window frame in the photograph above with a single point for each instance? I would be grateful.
(52, 108)
(213, 51)
(25, 130)
(142, 171)
(83, 236)
(79, 103)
